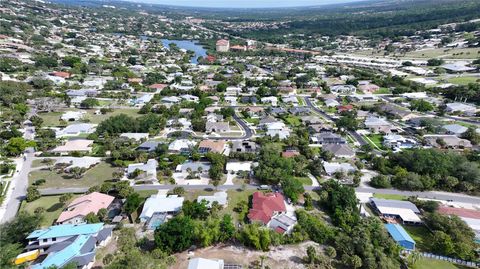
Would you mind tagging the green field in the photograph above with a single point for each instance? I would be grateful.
(305, 180)
(94, 176)
(435, 264)
(463, 80)
(383, 91)
(293, 120)
(421, 235)
(52, 119)
(390, 196)
(52, 207)
(457, 53)
(375, 140)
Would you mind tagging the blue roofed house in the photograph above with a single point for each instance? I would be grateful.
(67, 243)
(400, 236)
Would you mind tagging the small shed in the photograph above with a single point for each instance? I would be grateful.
(400, 236)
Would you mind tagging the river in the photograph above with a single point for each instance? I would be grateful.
(188, 45)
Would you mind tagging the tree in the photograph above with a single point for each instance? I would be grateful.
(178, 191)
(49, 162)
(227, 228)
(292, 188)
(65, 198)
(380, 181)
(222, 87)
(311, 255)
(195, 210)
(89, 103)
(132, 203)
(472, 135)
(91, 218)
(175, 235)
(17, 145)
(435, 62)
(77, 172)
(32, 194)
(102, 214)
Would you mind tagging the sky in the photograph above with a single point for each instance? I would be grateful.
(245, 3)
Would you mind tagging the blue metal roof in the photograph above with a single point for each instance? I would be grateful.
(65, 255)
(398, 233)
(66, 230)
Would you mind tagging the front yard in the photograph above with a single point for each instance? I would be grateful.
(51, 205)
(94, 176)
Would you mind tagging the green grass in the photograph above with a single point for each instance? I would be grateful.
(234, 197)
(435, 264)
(463, 80)
(301, 101)
(293, 120)
(305, 180)
(94, 176)
(254, 121)
(421, 235)
(390, 196)
(52, 207)
(383, 91)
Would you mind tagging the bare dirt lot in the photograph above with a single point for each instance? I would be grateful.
(286, 256)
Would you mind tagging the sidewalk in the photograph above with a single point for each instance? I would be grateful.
(13, 180)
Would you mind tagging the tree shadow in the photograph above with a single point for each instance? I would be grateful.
(55, 207)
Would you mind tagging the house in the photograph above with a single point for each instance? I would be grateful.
(270, 99)
(332, 168)
(331, 103)
(461, 108)
(319, 128)
(158, 87)
(170, 100)
(73, 115)
(222, 45)
(397, 142)
(447, 141)
(309, 120)
(148, 146)
(470, 216)
(192, 166)
(344, 108)
(299, 110)
(233, 91)
(217, 127)
(378, 125)
(244, 146)
(135, 136)
(79, 145)
(215, 146)
(76, 211)
(327, 138)
(398, 233)
(342, 89)
(277, 129)
(457, 68)
(76, 130)
(277, 110)
(82, 93)
(363, 98)
(455, 129)
(404, 211)
(43, 239)
(142, 100)
(82, 162)
(248, 100)
(397, 112)
(158, 207)
(368, 87)
(339, 150)
(148, 169)
(189, 98)
(254, 111)
(214, 117)
(290, 99)
(290, 153)
(270, 210)
(220, 197)
(201, 263)
(181, 146)
(234, 167)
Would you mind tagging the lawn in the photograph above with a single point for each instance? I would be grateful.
(52, 119)
(305, 180)
(94, 176)
(383, 91)
(52, 207)
(421, 235)
(375, 140)
(435, 264)
(293, 120)
(234, 197)
(463, 80)
(390, 196)
(253, 121)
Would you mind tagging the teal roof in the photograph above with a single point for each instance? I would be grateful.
(64, 256)
(398, 233)
(66, 230)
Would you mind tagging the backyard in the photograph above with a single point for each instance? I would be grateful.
(94, 176)
(436, 264)
(52, 207)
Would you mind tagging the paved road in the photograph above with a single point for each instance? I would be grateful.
(456, 197)
(354, 134)
(19, 185)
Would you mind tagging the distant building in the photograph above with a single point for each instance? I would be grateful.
(223, 45)
(219, 197)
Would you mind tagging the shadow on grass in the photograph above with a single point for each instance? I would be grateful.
(55, 207)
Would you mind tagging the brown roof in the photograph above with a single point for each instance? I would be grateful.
(461, 212)
(216, 146)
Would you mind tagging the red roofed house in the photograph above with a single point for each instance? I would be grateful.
(223, 45)
(211, 59)
(270, 210)
(76, 211)
(344, 108)
(290, 153)
(157, 86)
(61, 74)
(134, 80)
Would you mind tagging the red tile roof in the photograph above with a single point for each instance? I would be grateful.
(265, 205)
(222, 42)
(290, 153)
(461, 212)
(158, 86)
(61, 74)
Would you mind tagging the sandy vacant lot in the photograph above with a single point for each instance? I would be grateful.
(287, 256)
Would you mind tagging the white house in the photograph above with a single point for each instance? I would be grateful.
(73, 115)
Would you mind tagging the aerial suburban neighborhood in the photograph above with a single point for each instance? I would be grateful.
(139, 135)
